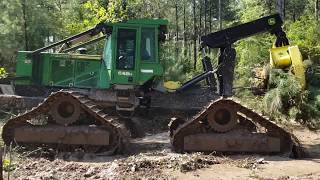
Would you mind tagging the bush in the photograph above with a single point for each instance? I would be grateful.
(305, 33)
(176, 66)
(3, 73)
(178, 61)
(273, 102)
(286, 93)
(287, 98)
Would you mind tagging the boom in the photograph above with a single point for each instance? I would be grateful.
(82, 38)
(224, 40)
(229, 36)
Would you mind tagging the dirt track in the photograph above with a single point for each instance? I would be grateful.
(152, 159)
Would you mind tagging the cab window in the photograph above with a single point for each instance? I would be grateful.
(107, 56)
(126, 49)
(148, 44)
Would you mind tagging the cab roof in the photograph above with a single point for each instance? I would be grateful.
(154, 22)
(148, 21)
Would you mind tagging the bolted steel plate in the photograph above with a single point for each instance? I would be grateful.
(54, 134)
(232, 142)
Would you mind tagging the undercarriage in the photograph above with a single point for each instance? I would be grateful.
(226, 126)
(66, 121)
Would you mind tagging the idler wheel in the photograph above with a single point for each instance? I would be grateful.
(222, 119)
(65, 111)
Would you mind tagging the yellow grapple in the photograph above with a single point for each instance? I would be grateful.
(289, 57)
(172, 86)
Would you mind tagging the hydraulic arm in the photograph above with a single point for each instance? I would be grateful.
(226, 125)
(83, 38)
(224, 40)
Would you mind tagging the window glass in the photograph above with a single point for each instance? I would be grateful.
(126, 49)
(148, 44)
(107, 56)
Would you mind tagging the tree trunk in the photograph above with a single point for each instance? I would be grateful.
(316, 9)
(25, 27)
(294, 15)
(184, 29)
(220, 14)
(205, 16)
(200, 18)
(210, 16)
(269, 4)
(177, 31)
(210, 19)
(281, 8)
(177, 24)
(194, 36)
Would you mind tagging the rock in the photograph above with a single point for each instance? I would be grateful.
(90, 172)
(134, 168)
(261, 161)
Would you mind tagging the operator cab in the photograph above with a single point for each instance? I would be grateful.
(131, 53)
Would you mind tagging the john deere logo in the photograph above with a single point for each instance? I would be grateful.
(272, 21)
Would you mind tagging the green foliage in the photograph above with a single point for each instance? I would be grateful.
(251, 52)
(294, 112)
(249, 10)
(8, 165)
(286, 99)
(286, 95)
(11, 36)
(287, 92)
(311, 108)
(3, 73)
(176, 67)
(273, 102)
(94, 12)
(305, 33)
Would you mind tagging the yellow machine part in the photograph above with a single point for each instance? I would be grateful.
(289, 57)
(172, 86)
(297, 65)
(280, 57)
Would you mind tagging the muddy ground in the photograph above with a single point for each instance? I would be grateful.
(151, 158)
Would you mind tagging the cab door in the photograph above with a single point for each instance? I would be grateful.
(125, 56)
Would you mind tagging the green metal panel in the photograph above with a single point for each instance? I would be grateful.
(46, 72)
(71, 70)
(106, 65)
(61, 72)
(88, 71)
(104, 78)
(107, 53)
(144, 70)
(23, 68)
(149, 71)
(87, 74)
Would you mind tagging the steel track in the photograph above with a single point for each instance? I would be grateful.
(119, 134)
(289, 144)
